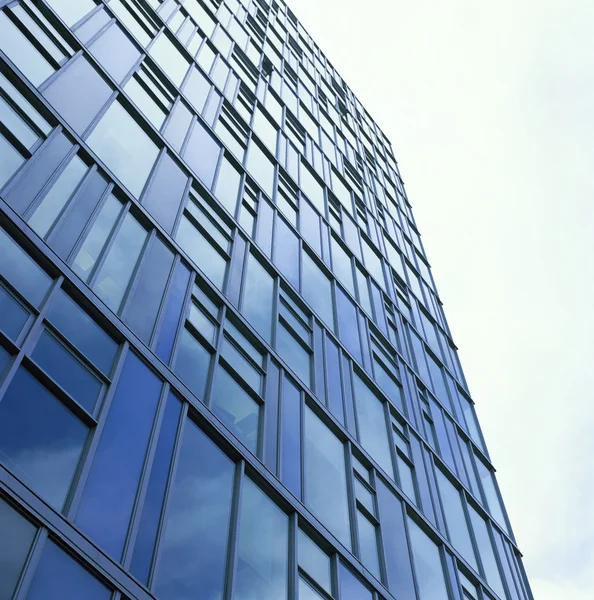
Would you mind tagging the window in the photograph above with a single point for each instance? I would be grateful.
(294, 338)
(260, 167)
(17, 537)
(286, 251)
(116, 52)
(258, 297)
(150, 94)
(404, 463)
(262, 547)
(367, 521)
(227, 186)
(120, 142)
(351, 587)
(325, 477)
(72, 11)
(202, 153)
(428, 567)
(371, 419)
(206, 238)
(312, 188)
(169, 58)
(194, 548)
(78, 93)
(317, 290)
(314, 562)
(41, 441)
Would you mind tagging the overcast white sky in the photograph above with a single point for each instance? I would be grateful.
(490, 110)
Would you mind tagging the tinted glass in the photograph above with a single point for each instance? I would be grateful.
(13, 315)
(291, 438)
(40, 439)
(120, 142)
(78, 93)
(194, 544)
(258, 298)
(115, 272)
(313, 561)
(108, 498)
(291, 351)
(155, 494)
(428, 566)
(317, 290)
(15, 543)
(368, 544)
(325, 477)
(261, 168)
(236, 408)
(21, 271)
(72, 11)
(11, 160)
(115, 52)
(227, 188)
(286, 252)
(262, 547)
(191, 364)
(67, 370)
(202, 153)
(351, 587)
(60, 577)
(169, 58)
(82, 331)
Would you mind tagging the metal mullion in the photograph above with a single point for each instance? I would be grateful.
(292, 567)
(15, 142)
(135, 517)
(93, 438)
(20, 112)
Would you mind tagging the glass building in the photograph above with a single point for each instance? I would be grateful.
(225, 373)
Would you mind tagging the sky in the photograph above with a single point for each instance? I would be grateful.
(490, 110)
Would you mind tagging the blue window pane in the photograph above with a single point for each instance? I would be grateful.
(291, 438)
(351, 588)
(67, 370)
(317, 290)
(309, 225)
(78, 93)
(368, 544)
(171, 60)
(120, 141)
(334, 382)
(116, 53)
(108, 498)
(155, 494)
(263, 548)
(236, 408)
(373, 431)
(141, 312)
(347, 324)
(194, 544)
(82, 331)
(60, 577)
(325, 478)
(196, 89)
(258, 298)
(13, 315)
(40, 439)
(175, 302)
(202, 153)
(17, 267)
(15, 543)
(314, 561)
(286, 252)
(295, 355)
(191, 363)
(177, 126)
(164, 196)
(5, 358)
(428, 566)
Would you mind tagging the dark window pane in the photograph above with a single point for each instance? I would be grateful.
(262, 561)
(191, 363)
(120, 142)
(78, 93)
(115, 52)
(153, 504)
(202, 153)
(40, 439)
(165, 193)
(5, 358)
(291, 438)
(11, 160)
(108, 498)
(177, 292)
(67, 370)
(82, 331)
(149, 288)
(13, 315)
(194, 544)
(17, 267)
(60, 577)
(15, 542)
(236, 408)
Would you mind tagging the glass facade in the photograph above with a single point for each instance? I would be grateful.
(225, 372)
